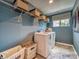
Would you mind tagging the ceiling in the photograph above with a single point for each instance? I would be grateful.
(55, 7)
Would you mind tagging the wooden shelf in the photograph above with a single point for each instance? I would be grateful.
(43, 17)
(22, 5)
(36, 12)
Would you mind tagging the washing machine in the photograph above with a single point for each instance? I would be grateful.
(45, 42)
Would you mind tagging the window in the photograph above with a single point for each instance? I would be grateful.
(65, 22)
(56, 23)
(61, 23)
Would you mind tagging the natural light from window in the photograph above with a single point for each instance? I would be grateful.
(61, 23)
(56, 23)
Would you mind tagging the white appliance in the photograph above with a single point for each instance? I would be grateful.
(45, 42)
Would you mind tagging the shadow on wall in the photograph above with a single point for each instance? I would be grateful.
(29, 37)
(12, 33)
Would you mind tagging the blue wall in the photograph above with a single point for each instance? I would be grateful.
(63, 34)
(75, 33)
(76, 41)
(12, 33)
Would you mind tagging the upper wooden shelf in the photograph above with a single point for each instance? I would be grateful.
(36, 12)
(22, 5)
(43, 17)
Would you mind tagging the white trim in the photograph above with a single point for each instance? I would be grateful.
(64, 44)
(75, 52)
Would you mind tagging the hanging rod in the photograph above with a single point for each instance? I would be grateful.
(8, 4)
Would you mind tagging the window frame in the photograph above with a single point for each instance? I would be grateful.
(60, 25)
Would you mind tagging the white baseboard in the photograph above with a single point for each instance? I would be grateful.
(75, 52)
(64, 44)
